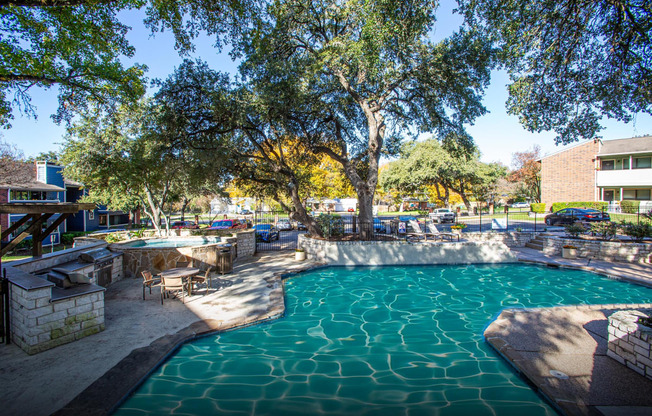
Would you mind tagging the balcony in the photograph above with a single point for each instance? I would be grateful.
(627, 177)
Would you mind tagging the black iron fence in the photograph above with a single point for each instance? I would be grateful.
(284, 232)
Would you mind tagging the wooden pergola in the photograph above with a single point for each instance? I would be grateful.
(37, 214)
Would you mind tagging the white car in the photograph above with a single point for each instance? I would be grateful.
(440, 215)
(520, 205)
(284, 225)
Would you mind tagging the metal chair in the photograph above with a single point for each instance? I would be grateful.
(172, 284)
(203, 279)
(149, 281)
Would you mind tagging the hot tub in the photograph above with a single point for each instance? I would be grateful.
(158, 254)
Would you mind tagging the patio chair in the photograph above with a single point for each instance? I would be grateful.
(417, 233)
(172, 285)
(435, 232)
(203, 279)
(149, 281)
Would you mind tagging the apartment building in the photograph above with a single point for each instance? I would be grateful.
(595, 170)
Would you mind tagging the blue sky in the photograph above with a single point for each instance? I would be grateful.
(497, 134)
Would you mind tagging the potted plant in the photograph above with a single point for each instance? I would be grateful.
(300, 254)
(569, 252)
(458, 227)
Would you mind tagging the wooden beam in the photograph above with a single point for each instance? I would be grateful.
(17, 225)
(36, 224)
(54, 225)
(44, 208)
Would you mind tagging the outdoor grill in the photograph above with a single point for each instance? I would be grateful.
(102, 258)
(65, 279)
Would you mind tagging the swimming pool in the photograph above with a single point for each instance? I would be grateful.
(391, 340)
(172, 242)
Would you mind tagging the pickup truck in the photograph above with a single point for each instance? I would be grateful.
(440, 215)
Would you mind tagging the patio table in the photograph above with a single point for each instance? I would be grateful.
(185, 273)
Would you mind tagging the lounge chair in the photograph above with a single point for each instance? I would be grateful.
(149, 281)
(434, 231)
(172, 284)
(418, 234)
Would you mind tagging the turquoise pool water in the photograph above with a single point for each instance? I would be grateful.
(173, 242)
(374, 341)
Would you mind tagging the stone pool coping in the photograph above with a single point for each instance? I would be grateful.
(97, 390)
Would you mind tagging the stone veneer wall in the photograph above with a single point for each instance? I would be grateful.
(602, 250)
(137, 259)
(630, 342)
(513, 239)
(379, 253)
(246, 243)
(39, 323)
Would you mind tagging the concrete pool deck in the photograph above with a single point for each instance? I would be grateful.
(92, 375)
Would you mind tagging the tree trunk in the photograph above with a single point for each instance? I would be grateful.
(184, 205)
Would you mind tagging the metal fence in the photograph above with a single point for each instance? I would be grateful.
(274, 231)
(398, 227)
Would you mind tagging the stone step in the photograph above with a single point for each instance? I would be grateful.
(537, 245)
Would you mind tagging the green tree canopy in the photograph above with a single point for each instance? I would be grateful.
(77, 45)
(366, 75)
(125, 161)
(448, 166)
(571, 62)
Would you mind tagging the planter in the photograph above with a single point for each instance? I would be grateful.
(569, 253)
(299, 255)
(457, 231)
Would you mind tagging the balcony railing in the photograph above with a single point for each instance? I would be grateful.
(628, 177)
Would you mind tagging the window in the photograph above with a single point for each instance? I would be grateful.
(103, 219)
(41, 173)
(626, 163)
(608, 164)
(637, 194)
(643, 162)
(91, 215)
(643, 194)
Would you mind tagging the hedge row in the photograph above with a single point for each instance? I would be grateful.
(538, 207)
(589, 204)
(629, 207)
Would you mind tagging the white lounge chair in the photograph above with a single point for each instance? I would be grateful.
(434, 231)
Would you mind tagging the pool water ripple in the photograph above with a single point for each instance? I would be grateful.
(374, 341)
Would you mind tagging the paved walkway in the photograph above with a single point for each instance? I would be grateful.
(92, 375)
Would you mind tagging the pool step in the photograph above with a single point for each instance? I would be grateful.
(536, 243)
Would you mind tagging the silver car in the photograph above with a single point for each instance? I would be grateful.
(284, 225)
(440, 215)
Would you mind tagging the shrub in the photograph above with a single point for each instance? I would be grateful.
(637, 232)
(331, 225)
(589, 204)
(114, 238)
(605, 229)
(575, 229)
(538, 207)
(69, 238)
(458, 226)
(629, 207)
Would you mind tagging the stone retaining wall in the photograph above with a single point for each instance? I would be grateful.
(602, 250)
(378, 253)
(512, 239)
(630, 342)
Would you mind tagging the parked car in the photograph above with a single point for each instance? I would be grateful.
(266, 233)
(246, 212)
(379, 227)
(520, 205)
(284, 225)
(441, 215)
(301, 227)
(571, 215)
(184, 224)
(227, 224)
